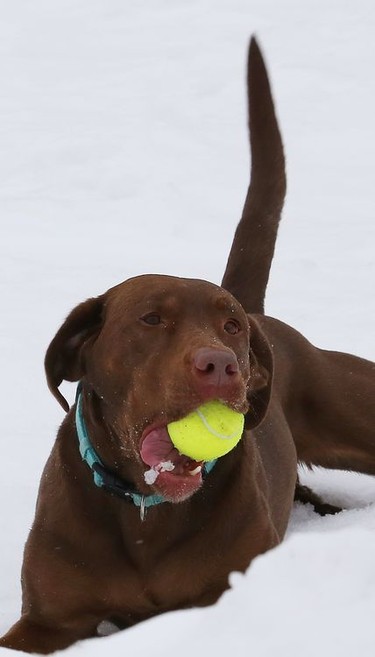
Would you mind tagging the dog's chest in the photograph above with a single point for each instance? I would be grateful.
(148, 586)
(157, 573)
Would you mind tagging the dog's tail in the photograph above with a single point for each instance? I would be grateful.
(250, 258)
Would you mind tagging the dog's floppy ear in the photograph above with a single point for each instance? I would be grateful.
(63, 358)
(261, 374)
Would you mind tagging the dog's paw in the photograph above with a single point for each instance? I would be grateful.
(305, 495)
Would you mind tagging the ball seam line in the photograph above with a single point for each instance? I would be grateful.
(211, 430)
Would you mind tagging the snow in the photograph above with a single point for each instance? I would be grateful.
(124, 151)
(151, 475)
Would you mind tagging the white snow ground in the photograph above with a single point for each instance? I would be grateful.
(123, 151)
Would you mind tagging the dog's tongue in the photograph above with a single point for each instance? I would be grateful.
(158, 451)
(157, 447)
(175, 475)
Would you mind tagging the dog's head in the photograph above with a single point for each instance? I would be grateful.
(148, 352)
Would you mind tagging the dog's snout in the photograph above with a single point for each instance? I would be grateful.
(215, 365)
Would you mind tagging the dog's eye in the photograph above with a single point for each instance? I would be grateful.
(232, 327)
(152, 319)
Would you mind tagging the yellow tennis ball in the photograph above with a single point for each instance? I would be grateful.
(210, 431)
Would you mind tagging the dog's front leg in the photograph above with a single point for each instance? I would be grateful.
(30, 636)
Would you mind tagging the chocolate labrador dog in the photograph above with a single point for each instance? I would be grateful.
(106, 542)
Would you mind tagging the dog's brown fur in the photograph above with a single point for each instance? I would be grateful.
(89, 556)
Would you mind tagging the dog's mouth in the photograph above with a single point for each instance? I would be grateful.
(174, 475)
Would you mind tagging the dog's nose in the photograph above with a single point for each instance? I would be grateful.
(215, 367)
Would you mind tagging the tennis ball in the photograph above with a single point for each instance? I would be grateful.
(210, 431)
